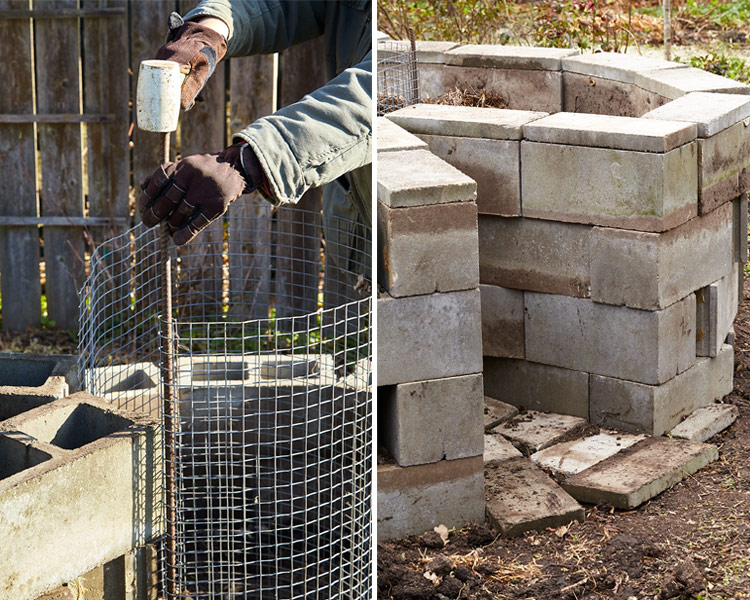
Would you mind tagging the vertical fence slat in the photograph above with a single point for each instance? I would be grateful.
(58, 91)
(19, 246)
(251, 96)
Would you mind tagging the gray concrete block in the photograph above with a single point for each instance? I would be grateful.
(520, 497)
(704, 423)
(711, 112)
(724, 162)
(498, 449)
(431, 80)
(606, 131)
(412, 500)
(425, 249)
(615, 65)
(648, 347)
(391, 137)
(508, 57)
(427, 51)
(494, 164)
(614, 188)
(502, 322)
(428, 421)
(674, 83)
(716, 309)
(533, 254)
(655, 409)
(521, 89)
(538, 387)
(590, 94)
(640, 472)
(418, 177)
(533, 431)
(653, 270)
(464, 121)
(497, 412)
(427, 337)
(740, 228)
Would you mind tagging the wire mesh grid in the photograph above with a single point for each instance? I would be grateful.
(398, 81)
(271, 355)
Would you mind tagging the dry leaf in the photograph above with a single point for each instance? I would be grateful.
(442, 531)
(435, 579)
(561, 531)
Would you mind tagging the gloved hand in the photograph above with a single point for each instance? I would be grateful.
(196, 190)
(196, 46)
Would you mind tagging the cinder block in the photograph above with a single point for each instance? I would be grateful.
(427, 337)
(391, 137)
(615, 188)
(711, 112)
(632, 406)
(439, 419)
(533, 254)
(431, 80)
(412, 500)
(596, 95)
(740, 229)
(653, 270)
(508, 57)
(425, 249)
(537, 387)
(418, 177)
(674, 83)
(648, 347)
(716, 309)
(615, 65)
(427, 51)
(502, 322)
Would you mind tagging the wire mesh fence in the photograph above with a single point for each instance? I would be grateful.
(398, 81)
(272, 422)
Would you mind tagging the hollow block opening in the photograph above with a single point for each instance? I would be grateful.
(16, 456)
(138, 380)
(25, 372)
(219, 370)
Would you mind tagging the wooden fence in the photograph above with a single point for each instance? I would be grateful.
(72, 159)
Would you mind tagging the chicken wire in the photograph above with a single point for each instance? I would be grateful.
(398, 81)
(271, 359)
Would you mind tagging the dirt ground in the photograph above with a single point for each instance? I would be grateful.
(691, 542)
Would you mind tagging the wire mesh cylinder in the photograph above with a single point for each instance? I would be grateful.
(271, 364)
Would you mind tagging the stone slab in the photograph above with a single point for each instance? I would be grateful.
(508, 57)
(427, 337)
(653, 270)
(533, 431)
(704, 423)
(412, 500)
(606, 131)
(710, 111)
(569, 458)
(428, 421)
(615, 65)
(614, 188)
(418, 177)
(520, 497)
(391, 137)
(674, 83)
(464, 121)
(590, 94)
(497, 448)
(637, 474)
(575, 333)
(631, 406)
(534, 254)
(426, 249)
(502, 322)
(537, 387)
(496, 412)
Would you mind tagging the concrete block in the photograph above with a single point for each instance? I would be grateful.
(632, 406)
(538, 387)
(502, 322)
(653, 270)
(674, 83)
(431, 80)
(391, 137)
(521, 89)
(704, 423)
(131, 387)
(425, 249)
(569, 458)
(495, 165)
(637, 474)
(79, 487)
(606, 131)
(418, 177)
(520, 497)
(412, 500)
(498, 449)
(711, 112)
(428, 421)
(427, 51)
(615, 188)
(740, 228)
(724, 163)
(533, 431)
(508, 57)
(464, 121)
(595, 95)
(716, 306)
(615, 65)
(427, 337)
(532, 254)
(497, 412)
(648, 347)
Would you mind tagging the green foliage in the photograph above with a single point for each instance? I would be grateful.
(726, 15)
(719, 63)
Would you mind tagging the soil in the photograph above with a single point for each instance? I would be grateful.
(50, 340)
(691, 542)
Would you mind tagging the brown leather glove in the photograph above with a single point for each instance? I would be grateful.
(197, 47)
(196, 190)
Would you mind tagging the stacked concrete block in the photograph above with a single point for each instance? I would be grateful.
(430, 395)
(430, 63)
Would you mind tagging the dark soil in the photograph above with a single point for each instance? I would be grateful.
(39, 341)
(691, 542)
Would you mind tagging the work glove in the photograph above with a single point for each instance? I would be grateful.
(197, 190)
(195, 47)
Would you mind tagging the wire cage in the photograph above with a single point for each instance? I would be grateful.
(398, 80)
(271, 359)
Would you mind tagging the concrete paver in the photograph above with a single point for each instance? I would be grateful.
(533, 431)
(706, 422)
